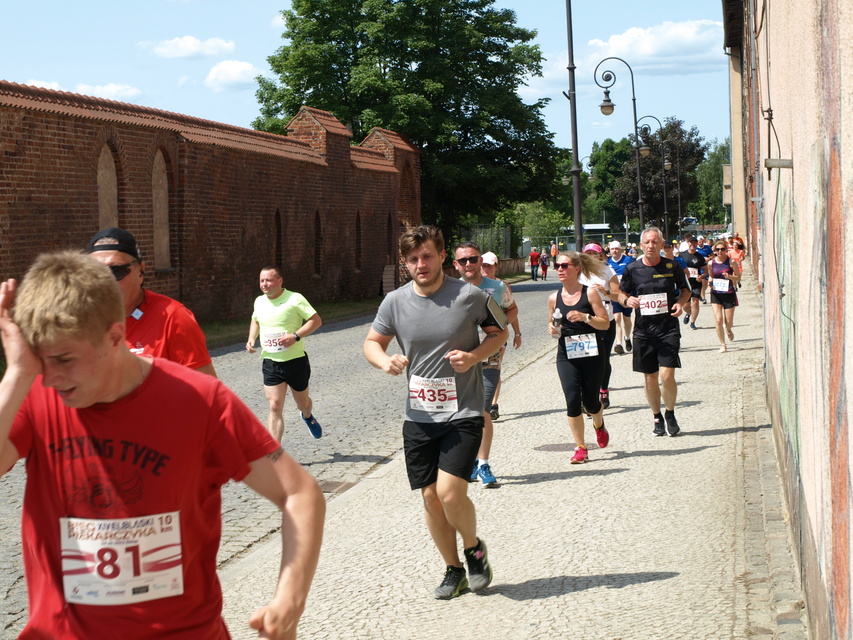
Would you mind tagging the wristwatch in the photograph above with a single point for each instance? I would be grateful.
(296, 337)
(588, 318)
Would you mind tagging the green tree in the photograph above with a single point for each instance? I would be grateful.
(608, 161)
(709, 176)
(683, 147)
(445, 73)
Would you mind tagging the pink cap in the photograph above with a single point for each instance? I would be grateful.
(593, 247)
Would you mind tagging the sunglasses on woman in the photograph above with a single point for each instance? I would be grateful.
(562, 265)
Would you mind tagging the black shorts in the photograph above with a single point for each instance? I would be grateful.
(295, 373)
(728, 300)
(491, 378)
(653, 351)
(695, 288)
(449, 446)
(618, 308)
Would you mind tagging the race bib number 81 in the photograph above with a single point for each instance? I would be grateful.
(123, 561)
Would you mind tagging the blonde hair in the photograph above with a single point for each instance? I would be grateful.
(67, 294)
(590, 265)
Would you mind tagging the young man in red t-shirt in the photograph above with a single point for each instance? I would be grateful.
(125, 458)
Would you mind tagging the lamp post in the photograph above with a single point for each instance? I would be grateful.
(667, 165)
(608, 79)
(646, 132)
(573, 111)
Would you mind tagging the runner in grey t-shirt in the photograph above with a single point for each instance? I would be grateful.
(435, 319)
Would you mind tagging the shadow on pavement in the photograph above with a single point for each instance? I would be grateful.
(619, 455)
(540, 588)
(727, 430)
(554, 476)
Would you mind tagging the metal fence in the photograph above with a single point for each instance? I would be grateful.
(495, 239)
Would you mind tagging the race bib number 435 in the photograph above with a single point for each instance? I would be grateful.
(433, 394)
(653, 304)
(123, 561)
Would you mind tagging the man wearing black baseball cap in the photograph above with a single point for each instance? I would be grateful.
(157, 325)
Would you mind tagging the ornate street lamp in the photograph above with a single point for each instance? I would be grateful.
(607, 80)
(646, 132)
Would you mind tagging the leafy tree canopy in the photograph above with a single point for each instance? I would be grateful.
(445, 73)
(709, 176)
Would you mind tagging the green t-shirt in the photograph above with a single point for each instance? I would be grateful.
(284, 314)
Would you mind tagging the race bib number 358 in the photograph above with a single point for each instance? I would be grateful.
(433, 394)
(123, 561)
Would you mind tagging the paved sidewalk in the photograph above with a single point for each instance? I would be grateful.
(654, 538)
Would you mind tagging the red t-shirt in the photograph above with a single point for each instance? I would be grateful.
(534, 258)
(121, 476)
(167, 329)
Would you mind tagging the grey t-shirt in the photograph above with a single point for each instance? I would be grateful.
(427, 328)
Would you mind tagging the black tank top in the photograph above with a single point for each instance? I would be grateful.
(582, 305)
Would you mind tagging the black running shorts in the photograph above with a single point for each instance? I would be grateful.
(651, 352)
(295, 373)
(449, 446)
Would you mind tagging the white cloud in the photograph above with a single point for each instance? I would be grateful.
(189, 47)
(45, 85)
(277, 22)
(111, 91)
(231, 75)
(694, 46)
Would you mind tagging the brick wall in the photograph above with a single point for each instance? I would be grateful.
(238, 199)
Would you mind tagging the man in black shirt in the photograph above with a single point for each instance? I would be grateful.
(658, 289)
(695, 262)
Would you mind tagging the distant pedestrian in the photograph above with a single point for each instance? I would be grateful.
(725, 275)
(534, 256)
(696, 275)
(543, 265)
(283, 318)
(618, 262)
(554, 250)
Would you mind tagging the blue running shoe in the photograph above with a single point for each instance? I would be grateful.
(475, 474)
(486, 475)
(313, 426)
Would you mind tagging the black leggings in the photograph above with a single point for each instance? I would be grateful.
(607, 339)
(580, 379)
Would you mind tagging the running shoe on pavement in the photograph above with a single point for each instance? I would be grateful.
(602, 437)
(618, 350)
(628, 345)
(686, 318)
(693, 325)
(486, 475)
(580, 456)
(659, 428)
(313, 426)
(454, 584)
(494, 413)
(672, 427)
(604, 396)
(475, 474)
(479, 569)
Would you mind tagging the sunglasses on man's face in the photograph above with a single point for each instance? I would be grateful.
(120, 271)
(464, 261)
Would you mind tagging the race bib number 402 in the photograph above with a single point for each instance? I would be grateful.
(581, 346)
(123, 561)
(433, 394)
(653, 304)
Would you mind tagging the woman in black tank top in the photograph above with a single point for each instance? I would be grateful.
(580, 361)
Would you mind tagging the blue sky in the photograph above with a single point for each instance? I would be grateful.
(200, 57)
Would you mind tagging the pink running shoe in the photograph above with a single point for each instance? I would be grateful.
(580, 455)
(602, 436)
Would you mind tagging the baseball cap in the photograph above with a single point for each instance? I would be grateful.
(122, 241)
(593, 247)
(490, 258)
(614, 244)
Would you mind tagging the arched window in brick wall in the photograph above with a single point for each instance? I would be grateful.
(358, 240)
(277, 250)
(160, 210)
(107, 188)
(318, 244)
